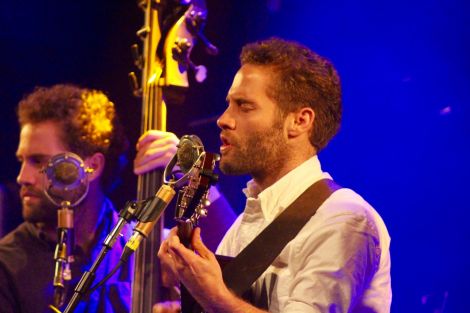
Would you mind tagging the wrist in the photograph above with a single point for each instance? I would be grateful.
(223, 302)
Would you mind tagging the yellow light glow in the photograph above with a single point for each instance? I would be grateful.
(96, 116)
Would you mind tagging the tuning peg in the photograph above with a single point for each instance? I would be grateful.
(195, 21)
(180, 52)
(200, 72)
(202, 212)
(138, 60)
(143, 32)
(142, 4)
(136, 91)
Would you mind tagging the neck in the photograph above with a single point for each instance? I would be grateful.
(271, 174)
(86, 218)
(85, 222)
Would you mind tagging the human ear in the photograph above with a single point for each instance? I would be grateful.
(95, 164)
(301, 121)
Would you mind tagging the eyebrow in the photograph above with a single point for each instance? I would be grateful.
(239, 98)
(39, 156)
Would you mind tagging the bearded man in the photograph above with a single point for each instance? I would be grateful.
(67, 118)
(55, 120)
(284, 106)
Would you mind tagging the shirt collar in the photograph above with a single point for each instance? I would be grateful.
(274, 199)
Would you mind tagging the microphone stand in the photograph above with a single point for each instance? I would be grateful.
(63, 254)
(126, 215)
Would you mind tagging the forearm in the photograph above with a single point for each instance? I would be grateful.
(227, 302)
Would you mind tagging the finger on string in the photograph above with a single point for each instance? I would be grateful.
(146, 168)
(163, 248)
(181, 254)
(198, 244)
(153, 161)
(156, 136)
(151, 135)
(173, 231)
(151, 153)
(160, 152)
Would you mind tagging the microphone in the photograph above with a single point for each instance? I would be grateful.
(66, 185)
(66, 179)
(189, 150)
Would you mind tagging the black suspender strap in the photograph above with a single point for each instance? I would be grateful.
(240, 273)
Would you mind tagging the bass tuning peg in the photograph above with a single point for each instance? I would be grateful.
(136, 91)
(180, 53)
(137, 57)
(143, 32)
(195, 22)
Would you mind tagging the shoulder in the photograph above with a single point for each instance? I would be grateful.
(20, 247)
(344, 215)
(16, 240)
(345, 206)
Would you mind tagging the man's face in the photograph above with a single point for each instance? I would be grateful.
(38, 143)
(252, 126)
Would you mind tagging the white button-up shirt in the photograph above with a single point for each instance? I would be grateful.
(338, 262)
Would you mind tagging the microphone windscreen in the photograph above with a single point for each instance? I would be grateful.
(189, 149)
(65, 179)
(66, 173)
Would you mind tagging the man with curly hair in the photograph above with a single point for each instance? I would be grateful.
(64, 118)
(283, 108)
(67, 118)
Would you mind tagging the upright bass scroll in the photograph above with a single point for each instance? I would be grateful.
(170, 31)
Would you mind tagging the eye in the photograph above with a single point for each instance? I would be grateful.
(245, 105)
(38, 161)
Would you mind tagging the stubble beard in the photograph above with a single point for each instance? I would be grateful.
(42, 211)
(261, 154)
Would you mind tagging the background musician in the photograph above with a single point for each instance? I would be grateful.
(67, 118)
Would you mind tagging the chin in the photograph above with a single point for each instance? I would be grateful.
(232, 168)
(33, 214)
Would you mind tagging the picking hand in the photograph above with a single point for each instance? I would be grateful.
(198, 270)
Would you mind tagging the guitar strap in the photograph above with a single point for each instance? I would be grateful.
(242, 271)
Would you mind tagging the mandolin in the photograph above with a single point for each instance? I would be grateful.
(192, 205)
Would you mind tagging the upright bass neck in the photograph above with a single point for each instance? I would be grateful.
(147, 288)
(169, 34)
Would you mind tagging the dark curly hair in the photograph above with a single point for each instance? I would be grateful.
(87, 119)
(301, 78)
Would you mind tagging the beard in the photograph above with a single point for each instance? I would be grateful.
(261, 153)
(41, 210)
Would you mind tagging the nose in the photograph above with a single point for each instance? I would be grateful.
(27, 175)
(226, 121)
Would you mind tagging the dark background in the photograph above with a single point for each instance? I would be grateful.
(404, 144)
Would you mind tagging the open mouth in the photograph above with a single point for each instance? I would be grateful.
(225, 144)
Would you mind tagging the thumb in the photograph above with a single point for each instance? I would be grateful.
(198, 245)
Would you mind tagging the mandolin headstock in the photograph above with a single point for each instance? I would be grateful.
(193, 198)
